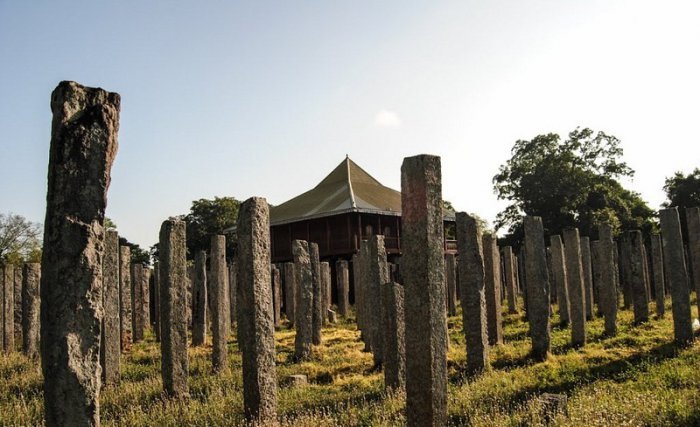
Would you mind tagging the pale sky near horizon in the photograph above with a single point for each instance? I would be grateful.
(265, 98)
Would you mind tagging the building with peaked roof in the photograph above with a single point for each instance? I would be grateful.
(347, 206)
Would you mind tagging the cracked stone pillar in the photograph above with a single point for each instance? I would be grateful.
(608, 278)
(492, 285)
(173, 307)
(472, 279)
(30, 310)
(692, 216)
(232, 285)
(256, 330)
(560, 278)
(633, 242)
(303, 313)
(511, 291)
(199, 299)
(156, 300)
(537, 281)
(377, 276)
(575, 286)
(676, 275)
(658, 268)
(422, 270)
(218, 283)
(83, 148)
(290, 286)
(343, 286)
(17, 293)
(276, 295)
(317, 313)
(451, 278)
(125, 314)
(326, 295)
(139, 279)
(110, 351)
(587, 275)
(394, 336)
(596, 272)
(8, 308)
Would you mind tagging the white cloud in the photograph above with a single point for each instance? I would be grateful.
(387, 119)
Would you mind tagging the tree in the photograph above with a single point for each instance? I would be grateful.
(20, 239)
(683, 190)
(208, 218)
(568, 183)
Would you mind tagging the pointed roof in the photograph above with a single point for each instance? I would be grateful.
(348, 188)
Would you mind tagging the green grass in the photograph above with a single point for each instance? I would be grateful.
(637, 378)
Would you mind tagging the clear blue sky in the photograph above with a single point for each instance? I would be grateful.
(226, 98)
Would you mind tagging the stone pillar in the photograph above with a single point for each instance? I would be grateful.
(363, 304)
(394, 336)
(83, 147)
(125, 314)
(451, 278)
(110, 351)
(645, 271)
(303, 313)
(677, 276)
(577, 298)
(218, 283)
(632, 242)
(199, 299)
(560, 278)
(30, 310)
(625, 273)
(17, 293)
(232, 281)
(156, 300)
(137, 298)
(692, 216)
(317, 306)
(520, 262)
(511, 291)
(471, 279)
(597, 273)
(377, 275)
(326, 295)
(256, 331)
(658, 269)
(343, 286)
(173, 308)
(492, 285)
(608, 278)
(276, 295)
(587, 275)
(537, 281)
(422, 269)
(290, 286)
(8, 308)
(356, 278)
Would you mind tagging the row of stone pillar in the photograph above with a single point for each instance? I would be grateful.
(20, 325)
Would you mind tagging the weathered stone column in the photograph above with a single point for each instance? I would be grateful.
(8, 308)
(511, 291)
(645, 271)
(125, 314)
(492, 285)
(110, 351)
(577, 299)
(83, 147)
(451, 278)
(173, 307)
(199, 299)
(30, 310)
(677, 276)
(471, 279)
(608, 281)
(276, 295)
(377, 275)
(632, 242)
(363, 307)
(303, 313)
(317, 312)
(658, 268)
(560, 278)
(537, 281)
(356, 279)
(625, 273)
(587, 275)
(343, 286)
(218, 283)
(232, 285)
(394, 336)
(326, 295)
(156, 301)
(597, 273)
(256, 331)
(520, 262)
(290, 286)
(17, 293)
(423, 269)
(139, 279)
(692, 217)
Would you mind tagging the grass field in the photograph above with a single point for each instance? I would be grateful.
(635, 379)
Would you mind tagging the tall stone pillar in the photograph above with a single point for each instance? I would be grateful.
(451, 278)
(394, 336)
(537, 281)
(343, 286)
(317, 312)
(303, 313)
(658, 268)
(587, 275)
(109, 355)
(276, 295)
(220, 321)
(139, 279)
(256, 330)
(156, 301)
(290, 286)
(83, 148)
(471, 278)
(173, 308)
(232, 285)
(377, 275)
(676, 275)
(8, 308)
(492, 282)
(597, 273)
(17, 294)
(577, 299)
(692, 216)
(635, 261)
(30, 310)
(199, 299)
(511, 291)
(125, 315)
(423, 269)
(608, 278)
(560, 278)
(326, 292)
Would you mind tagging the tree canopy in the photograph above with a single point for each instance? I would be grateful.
(683, 190)
(571, 182)
(208, 218)
(20, 239)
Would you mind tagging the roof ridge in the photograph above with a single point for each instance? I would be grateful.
(353, 203)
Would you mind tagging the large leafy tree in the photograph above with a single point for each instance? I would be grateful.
(208, 218)
(683, 190)
(571, 182)
(20, 239)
